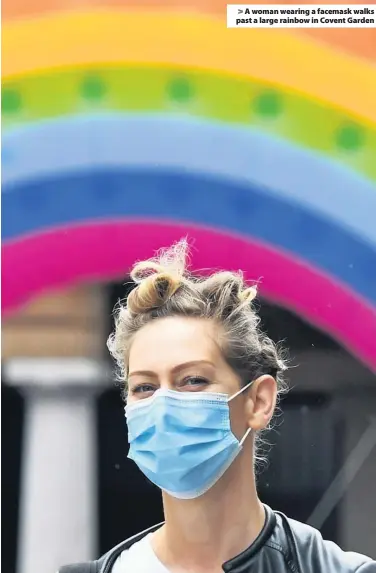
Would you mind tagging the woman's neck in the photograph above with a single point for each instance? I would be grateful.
(203, 533)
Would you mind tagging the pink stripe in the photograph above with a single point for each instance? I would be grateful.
(100, 252)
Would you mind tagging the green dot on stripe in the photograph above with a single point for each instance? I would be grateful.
(93, 88)
(350, 137)
(268, 104)
(180, 90)
(10, 101)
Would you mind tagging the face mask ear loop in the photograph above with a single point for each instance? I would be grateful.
(245, 436)
(240, 391)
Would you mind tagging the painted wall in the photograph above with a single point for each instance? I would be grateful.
(127, 125)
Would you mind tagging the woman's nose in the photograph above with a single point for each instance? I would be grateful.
(166, 383)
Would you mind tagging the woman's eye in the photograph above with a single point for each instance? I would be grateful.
(195, 381)
(142, 388)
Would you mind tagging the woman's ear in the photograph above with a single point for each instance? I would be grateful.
(261, 402)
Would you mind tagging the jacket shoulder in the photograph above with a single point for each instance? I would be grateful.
(316, 554)
(107, 560)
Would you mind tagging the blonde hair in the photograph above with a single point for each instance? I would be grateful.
(165, 288)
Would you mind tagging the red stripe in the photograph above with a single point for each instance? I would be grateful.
(102, 252)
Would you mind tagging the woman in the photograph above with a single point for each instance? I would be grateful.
(202, 382)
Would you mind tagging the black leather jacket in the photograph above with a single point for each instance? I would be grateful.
(283, 546)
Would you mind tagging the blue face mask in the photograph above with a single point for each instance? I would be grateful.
(182, 441)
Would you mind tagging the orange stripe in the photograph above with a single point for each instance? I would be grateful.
(111, 37)
(358, 42)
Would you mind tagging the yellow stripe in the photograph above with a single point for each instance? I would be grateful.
(112, 37)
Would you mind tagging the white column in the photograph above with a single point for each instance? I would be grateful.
(58, 512)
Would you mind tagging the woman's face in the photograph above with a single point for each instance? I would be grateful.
(183, 354)
(180, 354)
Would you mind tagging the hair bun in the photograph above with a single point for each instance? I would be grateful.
(248, 295)
(155, 287)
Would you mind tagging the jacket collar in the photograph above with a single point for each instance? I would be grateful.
(238, 563)
(235, 565)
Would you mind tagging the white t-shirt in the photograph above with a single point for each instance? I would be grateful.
(139, 558)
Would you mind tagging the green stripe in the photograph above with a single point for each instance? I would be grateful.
(288, 115)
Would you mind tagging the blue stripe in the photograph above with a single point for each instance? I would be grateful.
(158, 194)
(238, 154)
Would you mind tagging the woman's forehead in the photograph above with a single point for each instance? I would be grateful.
(172, 342)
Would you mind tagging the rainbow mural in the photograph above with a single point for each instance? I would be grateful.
(127, 125)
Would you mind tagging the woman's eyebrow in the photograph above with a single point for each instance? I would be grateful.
(148, 373)
(174, 370)
(191, 363)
